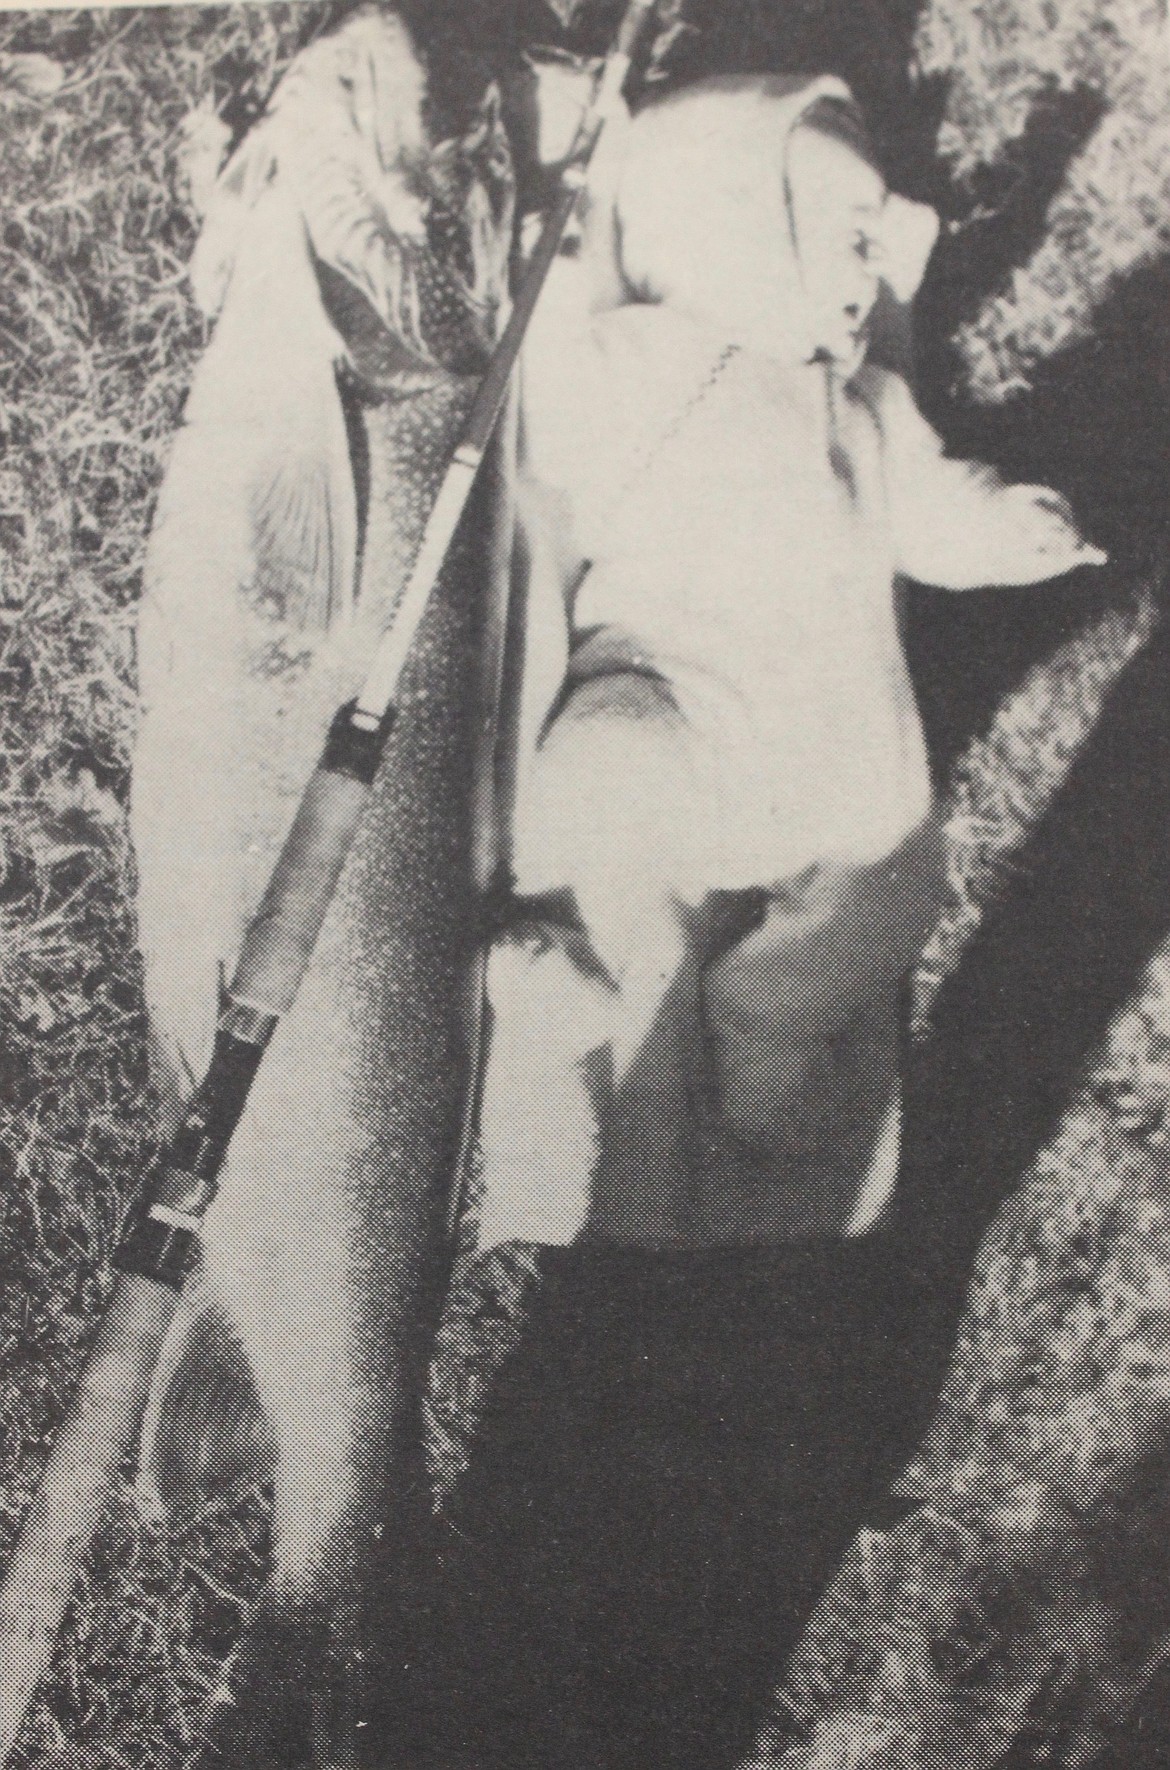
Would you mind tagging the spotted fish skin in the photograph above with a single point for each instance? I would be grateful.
(291, 1350)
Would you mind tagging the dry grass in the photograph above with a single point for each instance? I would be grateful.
(97, 339)
(1008, 64)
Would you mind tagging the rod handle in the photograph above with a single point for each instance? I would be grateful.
(280, 940)
(97, 1435)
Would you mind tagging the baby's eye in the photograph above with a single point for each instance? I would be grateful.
(867, 247)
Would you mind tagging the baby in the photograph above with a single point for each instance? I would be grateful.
(725, 856)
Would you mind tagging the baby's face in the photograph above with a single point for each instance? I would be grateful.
(837, 201)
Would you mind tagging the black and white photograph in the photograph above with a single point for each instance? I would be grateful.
(585, 885)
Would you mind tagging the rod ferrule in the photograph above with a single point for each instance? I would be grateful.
(162, 1240)
(354, 749)
(165, 1253)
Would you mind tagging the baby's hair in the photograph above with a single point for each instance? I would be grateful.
(840, 119)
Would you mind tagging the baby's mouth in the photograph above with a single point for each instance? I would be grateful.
(848, 358)
(845, 358)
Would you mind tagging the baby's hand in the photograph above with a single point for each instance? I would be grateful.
(1041, 524)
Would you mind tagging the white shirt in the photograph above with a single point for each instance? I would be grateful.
(736, 524)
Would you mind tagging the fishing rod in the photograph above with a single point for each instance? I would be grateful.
(160, 1247)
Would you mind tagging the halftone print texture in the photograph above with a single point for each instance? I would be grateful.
(976, 1388)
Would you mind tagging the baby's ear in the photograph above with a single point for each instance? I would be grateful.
(909, 231)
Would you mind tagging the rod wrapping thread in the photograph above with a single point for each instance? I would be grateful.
(98, 1434)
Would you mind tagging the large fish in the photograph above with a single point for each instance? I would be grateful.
(355, 270)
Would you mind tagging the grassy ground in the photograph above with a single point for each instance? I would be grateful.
(97, 338)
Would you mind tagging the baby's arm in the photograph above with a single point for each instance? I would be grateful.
(956, 524)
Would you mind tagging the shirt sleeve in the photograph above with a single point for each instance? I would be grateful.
(957, 524)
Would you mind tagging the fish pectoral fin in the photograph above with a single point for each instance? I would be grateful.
(304, 528)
